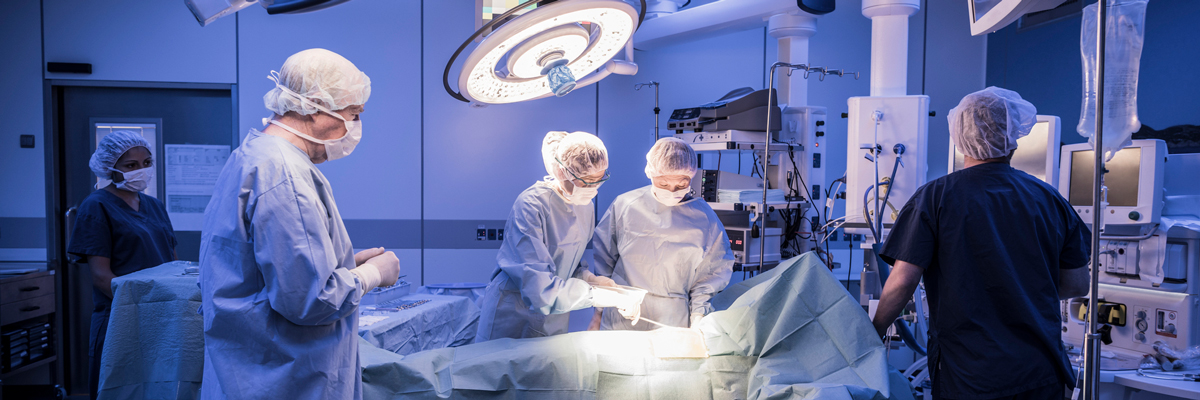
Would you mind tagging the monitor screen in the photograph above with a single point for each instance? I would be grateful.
(1031, 152)
(1030, 155)
(1121, 179)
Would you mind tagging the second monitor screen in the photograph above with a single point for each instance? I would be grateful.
(1121, 179)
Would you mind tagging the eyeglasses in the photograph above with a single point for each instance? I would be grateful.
(602, 179)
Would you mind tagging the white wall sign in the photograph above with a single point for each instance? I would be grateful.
(191, 175)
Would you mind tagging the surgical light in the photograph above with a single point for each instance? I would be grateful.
(550, 50)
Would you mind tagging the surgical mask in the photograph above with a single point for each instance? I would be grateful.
(580, 196)
(136, 180)
(669, 198)
(334, 148)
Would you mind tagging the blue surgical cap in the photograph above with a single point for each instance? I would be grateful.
(111, 148)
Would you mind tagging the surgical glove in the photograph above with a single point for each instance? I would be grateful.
(368, 276)
(597, 280)
(362, 256)
(696, 320)
(381, 270)
(632, 313)
(630, 307)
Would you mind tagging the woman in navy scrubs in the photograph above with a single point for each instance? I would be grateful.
(119, 230)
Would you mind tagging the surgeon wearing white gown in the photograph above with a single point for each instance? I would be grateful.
(280, 283)
(663, 239)
(539, 275)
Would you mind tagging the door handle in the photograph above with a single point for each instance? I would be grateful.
(30, 308)
(31, 288)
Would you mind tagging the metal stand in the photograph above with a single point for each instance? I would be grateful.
(772, 103)
(1091, 347)
(656, 109)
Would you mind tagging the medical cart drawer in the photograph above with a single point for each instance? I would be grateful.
(17, 289)
(26, 309)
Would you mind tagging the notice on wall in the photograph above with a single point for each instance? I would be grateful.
(191, 175)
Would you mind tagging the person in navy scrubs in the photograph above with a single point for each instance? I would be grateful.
(998, 249)
(119, 230)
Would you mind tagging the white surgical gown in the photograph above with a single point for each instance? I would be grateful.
(538, 276)
(279, 301)
(680, 254)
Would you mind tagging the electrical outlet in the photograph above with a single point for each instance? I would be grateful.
(500, 234)
(847, 237)
(481, 233)
(858, 237)
(491, 234)
(834, 237)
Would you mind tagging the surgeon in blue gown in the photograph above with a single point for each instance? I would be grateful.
(663, 239)
(539, 276)
(119, 230)
(280, 283)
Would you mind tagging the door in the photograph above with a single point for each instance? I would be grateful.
(173, 117)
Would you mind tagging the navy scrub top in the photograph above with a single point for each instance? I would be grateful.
(133, 240)
(992, 240)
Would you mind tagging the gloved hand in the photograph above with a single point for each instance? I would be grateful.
(381, 270)
(695, 320)
(597, 280)
(362, 256)
(633, 313)
(630, 307)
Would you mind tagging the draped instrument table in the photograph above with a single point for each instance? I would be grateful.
(155, 344)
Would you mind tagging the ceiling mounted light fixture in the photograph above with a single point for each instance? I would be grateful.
(207, 11)
(551, 50)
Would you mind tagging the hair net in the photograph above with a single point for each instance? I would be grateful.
(319, 76)
(581, 153)
(111, 148)
(986, 124)
(670, 156)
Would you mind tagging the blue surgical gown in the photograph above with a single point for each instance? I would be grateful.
(992, 241)
(132, 241)
(279, 301)
(680, 254)
(538, 276)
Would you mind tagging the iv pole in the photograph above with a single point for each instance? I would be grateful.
(1091, 348)
(656, 109)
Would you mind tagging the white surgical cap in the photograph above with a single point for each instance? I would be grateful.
(581, 153)
(986, 124)
(111, 148)
(670, 156)
(320, 76)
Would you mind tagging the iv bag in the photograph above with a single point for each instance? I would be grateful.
(1125, 33)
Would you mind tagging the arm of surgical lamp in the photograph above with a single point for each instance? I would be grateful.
(300, 6)
(614, 66)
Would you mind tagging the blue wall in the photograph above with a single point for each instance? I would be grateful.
(22, 203)
(1043, 64)
(430, 168)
